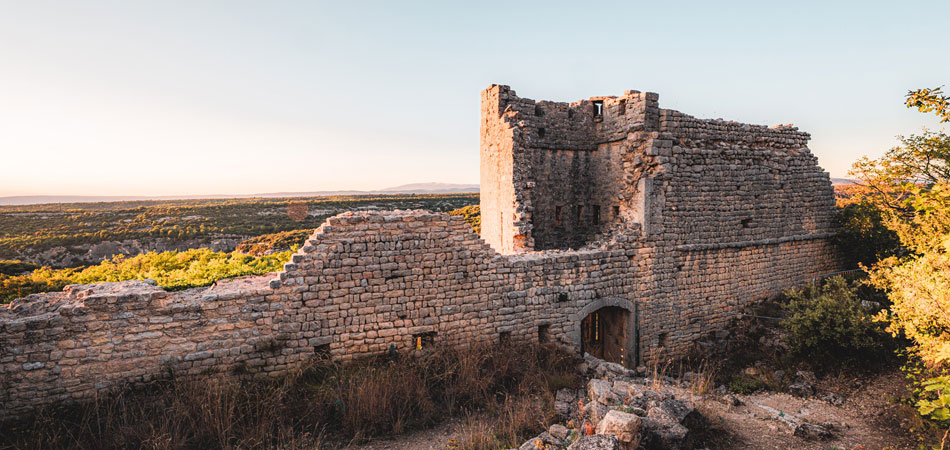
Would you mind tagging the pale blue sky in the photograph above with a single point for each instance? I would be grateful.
(201, 97)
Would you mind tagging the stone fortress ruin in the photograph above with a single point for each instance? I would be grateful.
(611, 225)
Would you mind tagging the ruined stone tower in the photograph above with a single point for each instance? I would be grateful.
(609, 225)
(563, 175)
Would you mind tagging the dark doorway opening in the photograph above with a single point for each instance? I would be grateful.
(604, 334)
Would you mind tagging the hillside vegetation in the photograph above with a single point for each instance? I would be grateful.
(29, 229)
(172, 270)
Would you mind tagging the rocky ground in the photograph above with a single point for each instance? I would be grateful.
(624, 409)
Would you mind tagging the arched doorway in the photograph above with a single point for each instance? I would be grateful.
(604, 335)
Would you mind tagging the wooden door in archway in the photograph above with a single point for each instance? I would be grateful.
(604, 334)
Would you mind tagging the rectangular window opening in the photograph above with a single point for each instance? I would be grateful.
(544, 334)
(558, 216)
(541, 133)
(595, 215)
(616, 211)
(598, 108)
(662, 339)
(322, 352)
(423, 340)
(504, 338)
(622, 108)
(580, 214)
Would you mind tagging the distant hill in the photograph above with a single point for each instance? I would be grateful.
(415, 188)
(842, 181)
(433, 188)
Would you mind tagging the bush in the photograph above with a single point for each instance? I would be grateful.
(828, 324)
(472, 215)
(15, 267)
(742, 383)
(863, 237)
(274, 243)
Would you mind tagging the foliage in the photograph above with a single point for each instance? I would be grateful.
(15, 267)
(274, 242)
(829, 323)
(26, 229)
(472, 215)
(930, 100)
(938, 406)
(745, 384)
(920, 161)
(863, 237)
(919, 285)
(345, 402)
(172, 270)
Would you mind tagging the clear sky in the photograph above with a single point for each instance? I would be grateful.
(238, 97)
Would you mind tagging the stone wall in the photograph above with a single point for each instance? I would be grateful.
(712, 216)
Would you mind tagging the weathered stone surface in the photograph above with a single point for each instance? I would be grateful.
(812, 431)
(545, 441)
(663, 431)
(596, 442)
(623, 425)
(602, 391)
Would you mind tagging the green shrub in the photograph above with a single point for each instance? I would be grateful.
(828, 323)
(172, 270)
(472, 215)
(745, 384)
(15, 267)
(274, 242)
(863, 237)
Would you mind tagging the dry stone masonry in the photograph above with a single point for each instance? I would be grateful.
(611, 225)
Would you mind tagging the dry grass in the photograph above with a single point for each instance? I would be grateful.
(509, 389)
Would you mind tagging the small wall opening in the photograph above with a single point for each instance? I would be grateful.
(423, 341)
(544, 334)
(541, 132)
(537, 111)
(604, 334)
(504, 338)
(616, 210)
(595, 214)
(622, 107)
(322, 351)
(579, 215)
(558, 216)
(661, 339)
(746, 223)
(598, 108)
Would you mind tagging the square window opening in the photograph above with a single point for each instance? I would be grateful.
(423, 341)
(544, 334)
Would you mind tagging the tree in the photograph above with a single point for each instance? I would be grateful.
(930, 100)
(911, 185)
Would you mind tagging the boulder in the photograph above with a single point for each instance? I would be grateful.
(684, 414)
(565, 402)
(596, 442)
(625, 426)
(801, 389)
(595, 411)
(663, 431)
(544, 441)
(559, 431)
(812, 431)
(602, 391)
